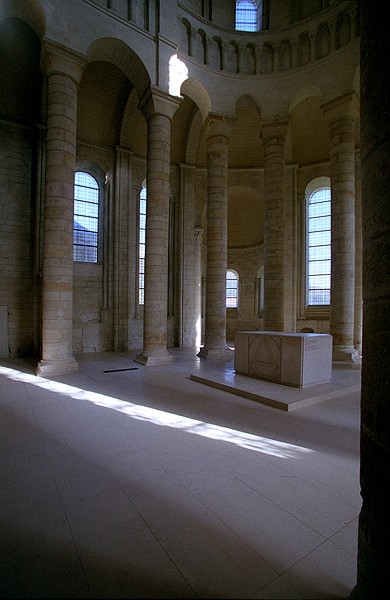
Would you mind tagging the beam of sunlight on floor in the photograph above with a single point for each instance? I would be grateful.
(158, 417)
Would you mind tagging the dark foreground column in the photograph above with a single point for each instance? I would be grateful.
(374, 522)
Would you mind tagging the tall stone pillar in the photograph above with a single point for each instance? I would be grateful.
(198, 234)
(63, 73)
(216, 261)
(120, 248)
(274, 133)
(341, 114)
(190, 262)
(358, 317)
(158, 110)
(374, 521)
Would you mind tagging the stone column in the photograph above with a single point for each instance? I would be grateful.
(341, 114)
(198, 234)
(216, 261)
(358, 316)
(63, 73)
(374, 521)
(274, 133)
(122, 199)
(158, 109)
(190, 262)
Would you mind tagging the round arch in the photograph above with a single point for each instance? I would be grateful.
(306, 91)
(119, 54)
(197, 92)
(31, 13)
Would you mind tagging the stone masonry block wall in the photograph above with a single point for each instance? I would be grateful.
(88, 333)
(16, 243)
(247, 263)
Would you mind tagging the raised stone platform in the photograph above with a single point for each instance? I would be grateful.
(345, 379)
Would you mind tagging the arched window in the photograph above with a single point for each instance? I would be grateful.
(86, 218)
(141, 246)
(247, 15)
(318, 247)
(231, 289)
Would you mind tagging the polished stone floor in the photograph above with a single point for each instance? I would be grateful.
(176, 481)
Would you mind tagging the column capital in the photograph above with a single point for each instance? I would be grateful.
(343, 106)
(56, 59)
(221, 125)
(155, 101)
(275, 127)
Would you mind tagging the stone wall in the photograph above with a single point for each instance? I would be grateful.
(19, 279)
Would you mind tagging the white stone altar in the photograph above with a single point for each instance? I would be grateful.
(295, 359)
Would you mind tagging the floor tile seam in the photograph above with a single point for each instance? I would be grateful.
(273, 502)
(291, 514)
(145, 403)
(298, 439)
(334, 447)
(324, 445)
(226, 470)
(221, 468)
(330, 481)
(326, 540)
(156, 537)
(285, 572)
(219, 519)
(294, 516)
(106, 391)
(43, 436)
(213, 462)
(70, 529)
(353, 554)
(327, 491)
(298, 478)
(46, 443)
(235, 533)
(73, 528)
(266, 560)
(293, 425)
(204, 472)
(270, 583)
(11, 384)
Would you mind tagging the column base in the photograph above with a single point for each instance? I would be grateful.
(223, 352)
(150, 360)
(346, 354)
(48, 368)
